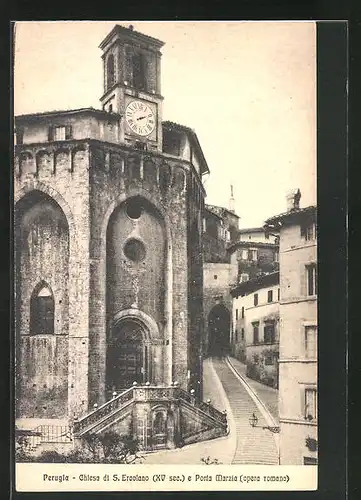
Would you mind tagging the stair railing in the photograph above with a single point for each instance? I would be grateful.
(102, 411)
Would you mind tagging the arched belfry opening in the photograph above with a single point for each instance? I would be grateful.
(110, 71)
(219, 321)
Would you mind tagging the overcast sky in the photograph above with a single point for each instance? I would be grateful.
(248, 89)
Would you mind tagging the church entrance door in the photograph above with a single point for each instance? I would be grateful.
(128, 355)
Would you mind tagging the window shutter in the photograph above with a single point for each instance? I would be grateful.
(303, 230)
(51, 133)
(68, 132)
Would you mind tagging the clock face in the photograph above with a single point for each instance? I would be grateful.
(140, 118)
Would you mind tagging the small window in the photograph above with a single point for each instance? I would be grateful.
(255, 299)
(308, 231)
(42, 311)
(311, 271)
(204, 224)
(277, 256)
(255, 333)
(61, 133)
(110, 108)
(310, 410)
(236, 314)
(242, 312)
(215, 276)
(278, 294)
(311, 342)
(242, 334)
(228, 235)
(244, 255)
(270, 296)
(134, 250)
(244, 277)
(269, 359)
(252, 254)
(269, 333)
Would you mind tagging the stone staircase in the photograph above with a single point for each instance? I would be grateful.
(254, 445)
(187, 419)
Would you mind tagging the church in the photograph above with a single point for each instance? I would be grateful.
(108, 213)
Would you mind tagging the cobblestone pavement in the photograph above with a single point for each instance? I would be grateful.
(268, 395)
(244, 444)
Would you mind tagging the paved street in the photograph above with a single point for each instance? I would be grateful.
(243, 444)
(267, 395)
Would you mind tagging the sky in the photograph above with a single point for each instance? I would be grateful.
(248, 89)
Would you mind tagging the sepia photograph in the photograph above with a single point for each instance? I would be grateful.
(165, 255)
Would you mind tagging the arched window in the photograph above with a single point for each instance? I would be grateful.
(110, 71)
(42, 311)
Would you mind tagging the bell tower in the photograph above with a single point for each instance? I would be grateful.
(131, 64)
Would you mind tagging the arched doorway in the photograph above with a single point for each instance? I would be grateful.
(219, 320)
(127, 355)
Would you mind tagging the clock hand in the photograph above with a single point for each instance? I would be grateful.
(141, 117)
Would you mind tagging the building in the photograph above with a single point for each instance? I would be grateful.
(108, 260)
(256, 234)
(253, 259)
(298, 331)
(255, 335)
(220, 230)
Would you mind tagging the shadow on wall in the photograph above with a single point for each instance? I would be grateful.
(219, 321)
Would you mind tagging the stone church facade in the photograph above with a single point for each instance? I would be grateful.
(108, 252)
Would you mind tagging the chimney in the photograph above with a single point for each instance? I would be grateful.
(293, 200)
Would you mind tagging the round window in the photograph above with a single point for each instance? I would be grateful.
(134, 208)
(134, 250)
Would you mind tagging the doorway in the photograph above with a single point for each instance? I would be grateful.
(127, 355)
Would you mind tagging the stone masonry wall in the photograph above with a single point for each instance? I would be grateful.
(61, 173)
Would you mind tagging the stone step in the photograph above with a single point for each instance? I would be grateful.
(254, 445)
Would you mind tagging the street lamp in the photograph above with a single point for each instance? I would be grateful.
(253, 420)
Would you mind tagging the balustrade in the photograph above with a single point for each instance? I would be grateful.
(147, 393)
(99, 413)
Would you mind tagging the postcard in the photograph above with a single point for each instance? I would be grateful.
(165, 256)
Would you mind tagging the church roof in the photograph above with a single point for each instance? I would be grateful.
(132, 34)
(50, 114)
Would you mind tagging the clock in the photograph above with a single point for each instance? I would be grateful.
(140, 118)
